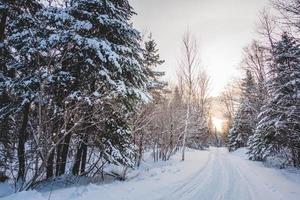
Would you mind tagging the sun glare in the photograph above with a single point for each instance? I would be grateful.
(218, 123)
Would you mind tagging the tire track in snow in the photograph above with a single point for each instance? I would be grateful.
(226, 177)
(237, 187)
(217, 180)
(196, 186)
(259, 189)
(190, 183)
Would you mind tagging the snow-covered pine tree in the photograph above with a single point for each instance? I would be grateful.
(244, 119)
(80, 69)
(23, 83)
(152, 60)
(145, 113)
(5, 76)
(278, 131)
(104, 59)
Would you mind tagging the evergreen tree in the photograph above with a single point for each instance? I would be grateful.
(21, 74)
(244, 119)
(79, 73)
(5, 76)
(111, 61)
(101, 68)
(152, 61)
(278, 131)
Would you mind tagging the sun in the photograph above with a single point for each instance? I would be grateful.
(218, 123)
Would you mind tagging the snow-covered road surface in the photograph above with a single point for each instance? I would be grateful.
(228, 177)
(205, 175)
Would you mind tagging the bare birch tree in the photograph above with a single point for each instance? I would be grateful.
(189, 65)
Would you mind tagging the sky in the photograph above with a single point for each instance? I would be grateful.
(222, 27)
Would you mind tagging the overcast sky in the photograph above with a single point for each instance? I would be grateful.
(223, 28)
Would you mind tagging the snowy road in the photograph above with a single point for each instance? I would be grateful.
(205, 175)
(227, 177)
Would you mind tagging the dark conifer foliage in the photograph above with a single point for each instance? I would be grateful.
(70, 78)
(244, 120)
(278, 130)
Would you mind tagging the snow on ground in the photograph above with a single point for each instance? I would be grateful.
(205, 175)
(265, 182)
(241, 152)
(5, 189)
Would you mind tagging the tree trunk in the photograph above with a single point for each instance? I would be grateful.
(78, 156)
(153, 150)
(170, 143)
(58, 158)
(185, 131)
(84, 155)
(21, 143)
(49, 169)
(64, 155)
(140, 150)
(50, 161)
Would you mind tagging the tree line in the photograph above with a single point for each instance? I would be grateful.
(79, 91)
(266, 117)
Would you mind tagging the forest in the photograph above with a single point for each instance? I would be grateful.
(81, 91)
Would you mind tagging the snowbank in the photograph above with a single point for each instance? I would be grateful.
(149, 179)
(5, 189)
(241, 152)
(206, 175)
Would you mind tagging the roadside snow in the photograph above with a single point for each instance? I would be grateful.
(241, 152)
(145, 183)
(268, 182)
(205, 175)
(5, 189)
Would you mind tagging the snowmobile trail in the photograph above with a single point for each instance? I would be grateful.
(227, 177)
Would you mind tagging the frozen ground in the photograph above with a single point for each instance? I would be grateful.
(205, 175)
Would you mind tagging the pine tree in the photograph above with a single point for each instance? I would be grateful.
(278, 131)
(22, 77)
(152, 61)
(78, 76)
(105, 61)
(244, 119)
(5, 101)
